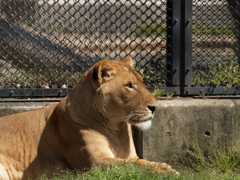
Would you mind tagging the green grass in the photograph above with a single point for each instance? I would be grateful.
(227, 74)
(132, 172)
(118, 172)
(159, 28)
(207, 163)
(212, 30)
(223, 159)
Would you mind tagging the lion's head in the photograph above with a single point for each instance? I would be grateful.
(117, 92)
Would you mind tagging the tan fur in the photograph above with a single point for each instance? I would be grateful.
(91, 126)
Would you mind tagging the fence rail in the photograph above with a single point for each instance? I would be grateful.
(186, 47)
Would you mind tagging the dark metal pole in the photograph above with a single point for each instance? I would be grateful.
(186, 73)
(173, 42)
(179, 44)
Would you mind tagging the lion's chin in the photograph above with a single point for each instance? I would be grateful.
(145, 125)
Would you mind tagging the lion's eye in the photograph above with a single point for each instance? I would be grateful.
(130, 85)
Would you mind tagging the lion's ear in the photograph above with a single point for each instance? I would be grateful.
(103, 72)
(129, 61)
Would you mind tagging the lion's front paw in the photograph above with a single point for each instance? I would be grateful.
(163, 168)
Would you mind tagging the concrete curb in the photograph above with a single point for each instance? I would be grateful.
(7, 108)
(210, 123)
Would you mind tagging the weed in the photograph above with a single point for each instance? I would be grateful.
(224, 159)
(227, 74)
(160, 92)
(170, 96)
(157, 93)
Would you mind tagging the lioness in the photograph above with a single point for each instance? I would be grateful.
(91, 126)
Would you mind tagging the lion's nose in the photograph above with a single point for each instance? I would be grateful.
(152, 108)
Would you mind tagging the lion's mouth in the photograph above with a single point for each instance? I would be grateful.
(139, 118)
(142, 123)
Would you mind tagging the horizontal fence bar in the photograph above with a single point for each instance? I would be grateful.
(37, 92)
(16, 100)
(212, 90)
(59, 92)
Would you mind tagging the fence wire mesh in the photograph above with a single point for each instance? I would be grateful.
(216, 42)
(51, 43)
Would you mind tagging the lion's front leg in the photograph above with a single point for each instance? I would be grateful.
(159, 168)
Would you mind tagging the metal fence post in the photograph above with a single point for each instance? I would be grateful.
(179, 44)
(187, 41)
(173, 42)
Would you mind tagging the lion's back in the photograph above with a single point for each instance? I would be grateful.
(28, 123)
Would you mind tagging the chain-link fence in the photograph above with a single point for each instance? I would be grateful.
(49, 44)
(216, 42)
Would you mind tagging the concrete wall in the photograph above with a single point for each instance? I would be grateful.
(210, 123)
(176, 123)
(12, 107)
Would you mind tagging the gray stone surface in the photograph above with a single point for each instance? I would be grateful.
(178, 123)
(7, 108)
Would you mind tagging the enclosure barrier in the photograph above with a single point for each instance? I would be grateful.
(185, 47)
